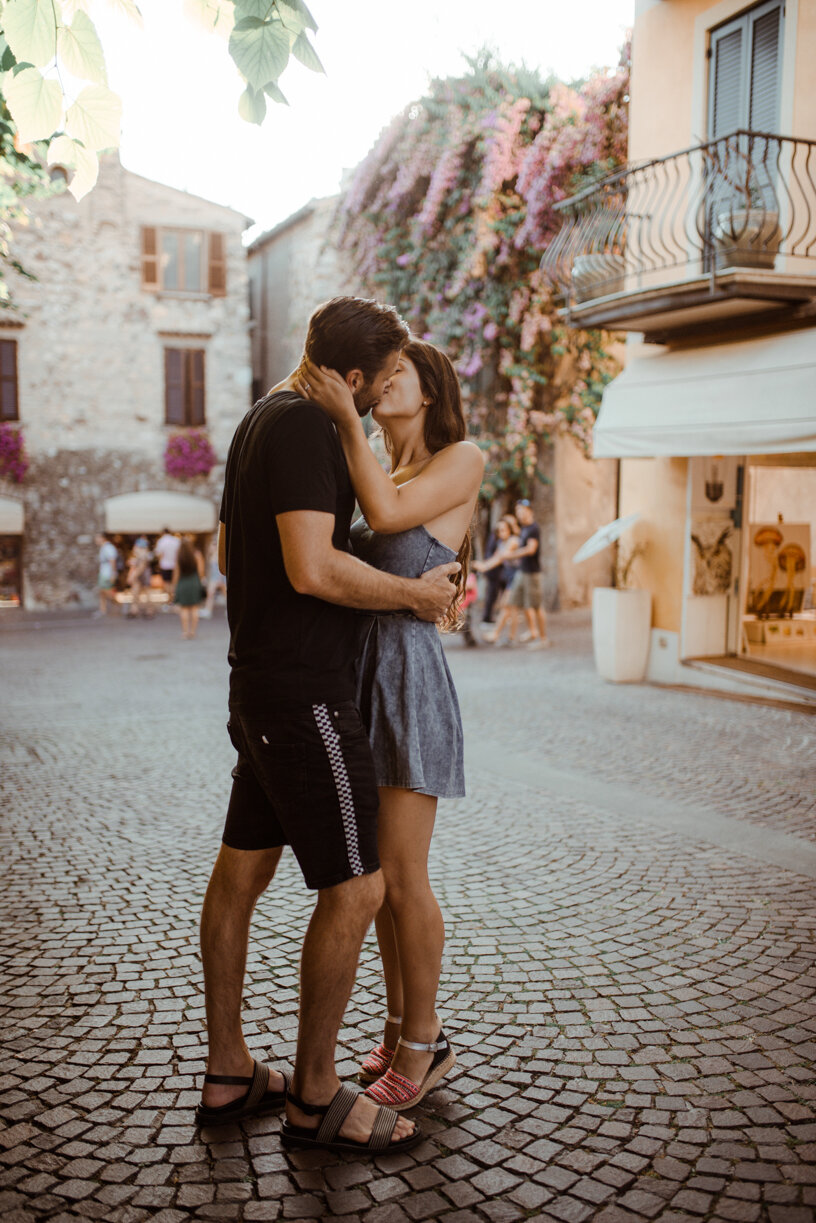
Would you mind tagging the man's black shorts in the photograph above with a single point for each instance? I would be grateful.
(305, 778)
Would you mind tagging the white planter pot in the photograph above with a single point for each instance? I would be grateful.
(621, 632)
(597, 275)
(747, 238)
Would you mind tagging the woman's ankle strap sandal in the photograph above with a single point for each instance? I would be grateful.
(397, 1091)
(379, 1059)
(326, 1136)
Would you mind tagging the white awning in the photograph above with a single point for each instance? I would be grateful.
(149, 513)
(11, 516)
(755, 397)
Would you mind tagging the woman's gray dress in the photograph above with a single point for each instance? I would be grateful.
(404, 688)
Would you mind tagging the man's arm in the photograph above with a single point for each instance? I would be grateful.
(315, 567)
(222, 548)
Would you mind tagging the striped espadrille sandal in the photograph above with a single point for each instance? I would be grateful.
(379, 1059)
(326, 1135)
(396, 1091)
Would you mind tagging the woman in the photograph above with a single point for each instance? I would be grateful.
(415, 519)
(504, 560)
(189, 590)
(495, 569)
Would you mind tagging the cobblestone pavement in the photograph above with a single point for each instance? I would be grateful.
(630, 898)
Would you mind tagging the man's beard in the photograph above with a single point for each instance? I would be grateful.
(364, 401)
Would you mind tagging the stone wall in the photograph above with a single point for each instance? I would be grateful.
(63, 498)
(90, 348)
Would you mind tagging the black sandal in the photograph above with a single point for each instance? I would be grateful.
(254, 1103)
(325, 1137)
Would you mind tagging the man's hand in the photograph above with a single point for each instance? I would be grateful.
(434, 592)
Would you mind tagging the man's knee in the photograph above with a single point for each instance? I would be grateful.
(244, 873)
(361, 894)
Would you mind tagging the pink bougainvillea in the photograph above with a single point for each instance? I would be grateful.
(189, 454)
(13, 457)
(448, 217)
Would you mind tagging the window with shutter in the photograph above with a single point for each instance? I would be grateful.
(174, 385)
(217, 277)
(196, 383)
(9, 397)
(184, 390)
(181, 261)
(744, 81)
(150, 259)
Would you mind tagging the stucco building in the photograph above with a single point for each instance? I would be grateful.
(703, 249)
(136, 329)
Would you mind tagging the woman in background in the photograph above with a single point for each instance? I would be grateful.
(189, 590)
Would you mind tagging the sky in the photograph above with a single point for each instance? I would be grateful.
(180, 89)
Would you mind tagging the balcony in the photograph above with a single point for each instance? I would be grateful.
(709, 241)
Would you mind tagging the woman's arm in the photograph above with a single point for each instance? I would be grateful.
(451, 478)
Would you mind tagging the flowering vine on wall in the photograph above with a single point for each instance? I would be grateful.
(189, 454)
(13, 457)
(447, 218)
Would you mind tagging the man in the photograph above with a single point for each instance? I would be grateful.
(166, 552)
(106, 578)
(304, 774)
(528, 591)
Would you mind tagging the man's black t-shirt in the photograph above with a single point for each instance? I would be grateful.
(285, 647)
(530, 564)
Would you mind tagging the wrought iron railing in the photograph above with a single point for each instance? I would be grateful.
(745, 200)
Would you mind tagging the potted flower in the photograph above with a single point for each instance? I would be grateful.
(13, 457)
(189, 454)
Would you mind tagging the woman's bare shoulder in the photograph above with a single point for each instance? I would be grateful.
(464, 455)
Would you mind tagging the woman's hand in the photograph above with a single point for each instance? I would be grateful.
(328, 390)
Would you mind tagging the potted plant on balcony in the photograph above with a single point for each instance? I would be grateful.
(745, 228)
(621, 614)
(597, 274)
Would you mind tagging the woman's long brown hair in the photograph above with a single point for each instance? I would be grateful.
(444, 424)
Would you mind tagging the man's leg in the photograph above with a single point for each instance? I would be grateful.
(331, 950)
(238, 879)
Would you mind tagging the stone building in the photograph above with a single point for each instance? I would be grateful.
(136, 329)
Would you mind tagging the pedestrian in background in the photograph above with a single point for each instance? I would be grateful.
(138, 579)
(215, 579)
(106, 578)
(166, 552)
(505, 560)
(188, 578)
(497, 574)
(528, 587)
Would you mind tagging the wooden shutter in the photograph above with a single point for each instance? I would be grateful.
(150, 258)
(174, 386)
(763, 108)
(217, 268)
(9, 398)
(727, 110)
(195, 384)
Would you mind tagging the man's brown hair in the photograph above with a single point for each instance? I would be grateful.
(355, 333)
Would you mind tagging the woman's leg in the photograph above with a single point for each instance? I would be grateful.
(184, 616)
(404, 830)
(193, 620)
(387, 940)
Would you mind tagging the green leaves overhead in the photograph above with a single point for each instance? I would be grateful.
(265, 34)
(30, 29)
(95, 118)
(35, 103)
(63, 151)
(252, 105)
(79, 48)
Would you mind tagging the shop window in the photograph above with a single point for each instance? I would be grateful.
(9, 397)
(184, 386)
(184, 261)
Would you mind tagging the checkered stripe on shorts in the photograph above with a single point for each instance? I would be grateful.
(334, 750)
